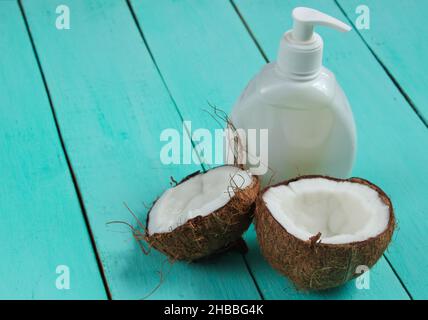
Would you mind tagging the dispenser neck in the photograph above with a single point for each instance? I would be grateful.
(300, 50)
(300, 60)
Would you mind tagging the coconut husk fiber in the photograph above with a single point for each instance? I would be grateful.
(202, 236)
(311, 264)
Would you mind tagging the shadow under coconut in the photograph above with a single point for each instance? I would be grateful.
(273, 285)
(222, 276)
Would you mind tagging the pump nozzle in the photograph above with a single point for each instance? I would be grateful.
(306, 18)
(300, 50)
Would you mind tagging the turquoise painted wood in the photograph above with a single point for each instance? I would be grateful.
(112, 106)
(213, 58)
(397, 36)
(211, 62)
(393, 142)
(42, 226)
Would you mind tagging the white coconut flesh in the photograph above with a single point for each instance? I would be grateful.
(343, 212)
(198, 196)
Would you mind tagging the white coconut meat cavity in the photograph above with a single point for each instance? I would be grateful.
(203, 213)
(342, 211)
(318, 231)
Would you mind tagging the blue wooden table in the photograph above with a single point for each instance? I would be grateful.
(82, 109)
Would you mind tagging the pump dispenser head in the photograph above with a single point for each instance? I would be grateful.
(300, 52)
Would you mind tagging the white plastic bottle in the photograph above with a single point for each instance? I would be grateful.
(310, 125)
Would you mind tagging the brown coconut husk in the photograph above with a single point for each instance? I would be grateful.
(202, 236)
(311, 264)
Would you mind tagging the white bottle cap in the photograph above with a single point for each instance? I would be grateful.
(300, 50)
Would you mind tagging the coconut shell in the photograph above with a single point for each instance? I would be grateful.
(311, 264)
(202, 236)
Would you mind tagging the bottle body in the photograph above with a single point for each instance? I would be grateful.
(311, 128)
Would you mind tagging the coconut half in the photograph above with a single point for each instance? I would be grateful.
(202, 214)
(318, 230)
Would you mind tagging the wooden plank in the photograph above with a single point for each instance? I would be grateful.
(395, 37)
(213, 58)
(112, 107)
(42, 226)
(207, 64)
(393, 142)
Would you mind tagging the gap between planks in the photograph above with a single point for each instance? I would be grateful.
(406, 97)
(69, 166)
(146, 44)
(388, 73)
(390, 76)
(140, 30)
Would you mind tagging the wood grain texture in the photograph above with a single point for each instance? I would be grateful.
(393, 142)
(204, 53)
(42, 225)
(396, 37)
(112, 106)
